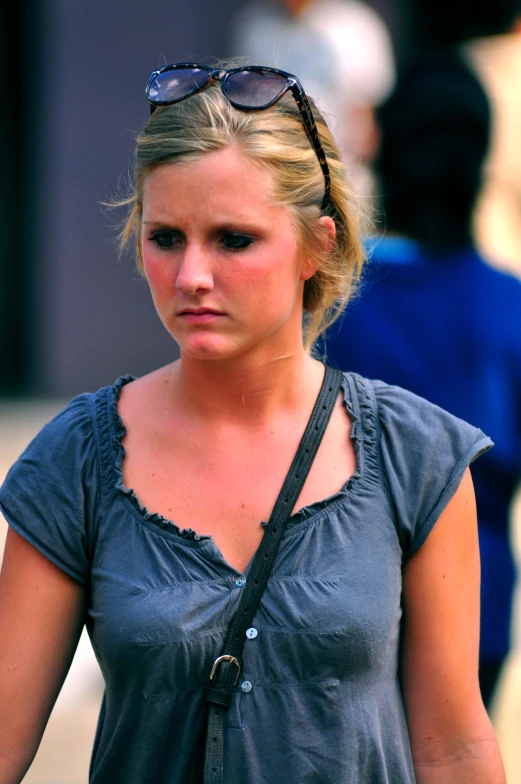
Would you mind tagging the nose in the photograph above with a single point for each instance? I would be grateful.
(194, 274)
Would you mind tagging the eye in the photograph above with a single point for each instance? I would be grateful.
(165, 239)
(234, 241)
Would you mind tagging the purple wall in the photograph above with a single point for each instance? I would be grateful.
(93, 314)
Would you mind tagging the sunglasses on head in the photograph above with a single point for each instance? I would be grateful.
(250, 87)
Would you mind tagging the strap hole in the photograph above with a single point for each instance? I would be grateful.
(215, 740)
(274, 530)
(246, 609)
(266, 555)
(256, 583)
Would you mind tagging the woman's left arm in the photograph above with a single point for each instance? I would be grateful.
(451, 735)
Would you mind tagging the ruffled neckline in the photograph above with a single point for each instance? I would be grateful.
(120, 432)
(189, 534)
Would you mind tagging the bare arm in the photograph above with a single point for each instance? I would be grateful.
(41, 618)
(451, 736)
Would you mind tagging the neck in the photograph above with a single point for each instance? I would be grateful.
(246, 392)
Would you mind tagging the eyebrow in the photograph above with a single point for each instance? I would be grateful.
(238, 226)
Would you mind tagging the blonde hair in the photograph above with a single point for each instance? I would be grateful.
(275, 139)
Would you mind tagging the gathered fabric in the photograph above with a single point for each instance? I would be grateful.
(318, 700)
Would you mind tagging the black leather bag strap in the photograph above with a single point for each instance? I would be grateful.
(227, 667)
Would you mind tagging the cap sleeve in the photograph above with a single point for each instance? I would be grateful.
(48, 493)
(424, 453)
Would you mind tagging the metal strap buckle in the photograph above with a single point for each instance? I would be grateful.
(228, 658)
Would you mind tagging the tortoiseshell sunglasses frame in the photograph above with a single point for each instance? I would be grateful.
(292, 83)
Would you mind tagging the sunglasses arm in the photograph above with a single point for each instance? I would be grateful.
(311, 129)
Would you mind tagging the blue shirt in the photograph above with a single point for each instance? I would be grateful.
(318, 699)
(449, 329)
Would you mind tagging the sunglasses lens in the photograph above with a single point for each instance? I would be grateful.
(254, 89)
(176, 84)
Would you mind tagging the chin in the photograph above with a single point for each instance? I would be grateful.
(209, 349)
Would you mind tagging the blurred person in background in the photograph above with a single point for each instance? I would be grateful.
(433, 317)
(343, 53)
(138, 509)
(496, 57)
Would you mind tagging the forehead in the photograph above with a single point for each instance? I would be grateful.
(223, 182)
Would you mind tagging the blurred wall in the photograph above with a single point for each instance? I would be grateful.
(91, 316)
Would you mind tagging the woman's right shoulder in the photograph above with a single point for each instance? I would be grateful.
(50, 494)
(50, 491)
(81, 420)
(74, 418)
(71, 439)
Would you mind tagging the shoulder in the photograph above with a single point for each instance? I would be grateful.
(74, 419)
(67, 444)
(51, 491)
(424, 452)
(79, 421)
(64, 437)
(404, 414)
(416, 428)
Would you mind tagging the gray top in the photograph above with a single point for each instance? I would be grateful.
(318, 700)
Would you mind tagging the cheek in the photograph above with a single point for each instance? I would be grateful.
(258, 284)
(271, 291)
(278, 265)
(157, 272)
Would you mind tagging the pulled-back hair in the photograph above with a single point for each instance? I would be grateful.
(274, 139)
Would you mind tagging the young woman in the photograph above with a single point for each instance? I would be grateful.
(138, 510)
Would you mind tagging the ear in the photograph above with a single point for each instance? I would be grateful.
(328, 231)
(326, 236)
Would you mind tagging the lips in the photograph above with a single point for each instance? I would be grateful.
(199, 315)
(198, 312)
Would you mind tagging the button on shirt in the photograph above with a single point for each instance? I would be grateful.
(325, 663)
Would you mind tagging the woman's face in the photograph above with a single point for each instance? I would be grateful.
(222, 259)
